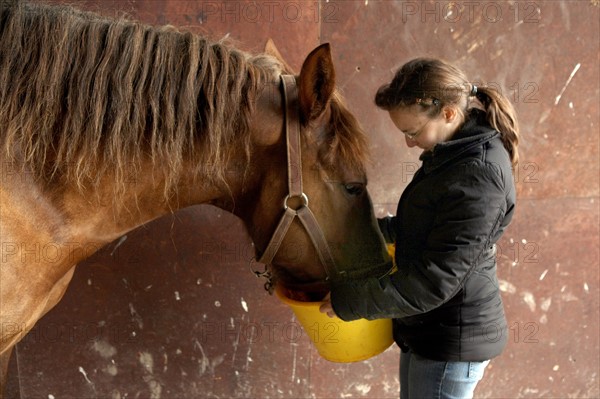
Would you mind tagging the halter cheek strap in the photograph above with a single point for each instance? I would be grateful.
(295, 190)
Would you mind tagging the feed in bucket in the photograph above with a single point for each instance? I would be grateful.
(337, 340)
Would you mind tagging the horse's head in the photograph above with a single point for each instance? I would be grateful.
(333, 152)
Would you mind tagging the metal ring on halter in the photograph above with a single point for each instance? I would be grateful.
(287, 197)
(266, 273)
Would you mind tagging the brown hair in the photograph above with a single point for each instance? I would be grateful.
(83, 96)
(433, 83)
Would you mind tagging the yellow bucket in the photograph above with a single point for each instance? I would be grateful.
(391, 250)
(337, 340)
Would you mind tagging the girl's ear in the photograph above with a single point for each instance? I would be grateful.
(450, 113)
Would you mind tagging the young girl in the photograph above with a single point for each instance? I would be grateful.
(445, 301)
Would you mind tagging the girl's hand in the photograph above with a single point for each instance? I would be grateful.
(326, 306)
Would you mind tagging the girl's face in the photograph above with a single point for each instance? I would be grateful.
(422, 131)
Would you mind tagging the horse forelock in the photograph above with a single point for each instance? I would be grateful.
(348, 143)
(83, 96)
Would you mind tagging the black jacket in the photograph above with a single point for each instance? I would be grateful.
(445, 297)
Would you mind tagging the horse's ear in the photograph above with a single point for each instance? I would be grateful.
(272, 50)
(316, 83)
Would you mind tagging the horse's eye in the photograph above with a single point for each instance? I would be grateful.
(354, 188)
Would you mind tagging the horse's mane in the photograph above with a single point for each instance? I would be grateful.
(89, 95)
(83, 96)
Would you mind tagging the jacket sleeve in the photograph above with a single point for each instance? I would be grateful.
(466, 217)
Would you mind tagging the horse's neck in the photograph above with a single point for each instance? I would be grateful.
(101, 216)
(70, 224)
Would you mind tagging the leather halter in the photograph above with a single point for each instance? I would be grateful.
(294, 172)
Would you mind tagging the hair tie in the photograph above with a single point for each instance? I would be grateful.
(434, 101)
(473, 90)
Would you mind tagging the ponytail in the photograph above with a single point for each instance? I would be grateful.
(434, 83)
(501, 115)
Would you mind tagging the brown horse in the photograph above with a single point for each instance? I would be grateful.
(107, 124)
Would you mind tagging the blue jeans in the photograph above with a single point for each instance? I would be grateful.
(432, 379)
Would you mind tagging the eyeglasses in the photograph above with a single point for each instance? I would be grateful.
(412, 136)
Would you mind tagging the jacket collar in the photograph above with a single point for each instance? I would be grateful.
(474, 132)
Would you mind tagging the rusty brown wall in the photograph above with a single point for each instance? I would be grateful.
(171, 311)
